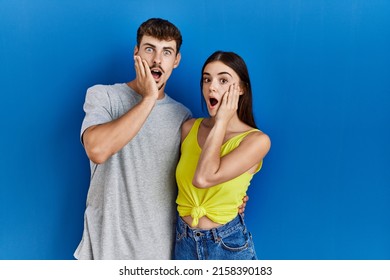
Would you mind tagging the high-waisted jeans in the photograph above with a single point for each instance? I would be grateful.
(231, 241)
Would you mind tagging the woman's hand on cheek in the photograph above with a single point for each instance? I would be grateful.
(229, 104)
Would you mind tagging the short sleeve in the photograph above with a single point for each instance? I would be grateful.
(97, 108)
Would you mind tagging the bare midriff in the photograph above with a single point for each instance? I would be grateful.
(204, 223)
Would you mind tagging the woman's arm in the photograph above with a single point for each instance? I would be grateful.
(212, 169)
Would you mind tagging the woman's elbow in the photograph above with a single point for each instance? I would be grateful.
(200, 182)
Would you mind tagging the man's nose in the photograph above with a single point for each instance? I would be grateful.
(157, 58)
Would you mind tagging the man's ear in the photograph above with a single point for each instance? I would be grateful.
(177, 60)
(136, 50)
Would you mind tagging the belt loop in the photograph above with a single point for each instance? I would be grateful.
(215, 235)
(186, 230)
(242, 222)
(183, 227)
(242, 219)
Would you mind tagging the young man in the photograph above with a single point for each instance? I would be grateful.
(131, 134)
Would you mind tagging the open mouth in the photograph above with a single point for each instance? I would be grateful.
(213, 101)
(156, 73)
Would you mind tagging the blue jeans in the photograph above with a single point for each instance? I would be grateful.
(231, 241)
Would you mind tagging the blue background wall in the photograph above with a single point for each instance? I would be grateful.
(321, 77)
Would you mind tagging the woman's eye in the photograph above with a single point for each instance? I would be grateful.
(206, 80)
(223, 81)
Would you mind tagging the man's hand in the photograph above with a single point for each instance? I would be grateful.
(241, 208)
(145, 82)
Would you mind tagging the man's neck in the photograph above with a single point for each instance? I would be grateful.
(133, 85)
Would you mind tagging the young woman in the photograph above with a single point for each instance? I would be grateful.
(219, 156)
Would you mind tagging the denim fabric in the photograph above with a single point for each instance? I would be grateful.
(231, 241)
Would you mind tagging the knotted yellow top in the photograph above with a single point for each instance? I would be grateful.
(219, 203)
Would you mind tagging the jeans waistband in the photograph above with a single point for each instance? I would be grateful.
(215, 233)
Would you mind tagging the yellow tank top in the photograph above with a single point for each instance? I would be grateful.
(218, 203)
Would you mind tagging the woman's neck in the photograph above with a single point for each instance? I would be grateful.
(234, 124)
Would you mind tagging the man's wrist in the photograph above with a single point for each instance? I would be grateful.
(151, 100)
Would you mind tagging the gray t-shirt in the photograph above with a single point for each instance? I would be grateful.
(131, 211)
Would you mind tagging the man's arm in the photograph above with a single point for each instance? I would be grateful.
(103, 140)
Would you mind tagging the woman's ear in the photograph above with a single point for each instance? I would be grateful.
(241, 88)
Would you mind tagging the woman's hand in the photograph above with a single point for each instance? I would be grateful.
(229, 104)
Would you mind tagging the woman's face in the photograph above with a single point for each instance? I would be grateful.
(216, 80)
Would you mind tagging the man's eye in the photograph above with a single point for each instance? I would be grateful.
(149, 50)
(167, 53)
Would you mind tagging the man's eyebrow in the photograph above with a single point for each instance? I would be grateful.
(154, 46)
(170, 49)
(149, 45)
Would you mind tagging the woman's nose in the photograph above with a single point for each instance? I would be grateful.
(212, 86)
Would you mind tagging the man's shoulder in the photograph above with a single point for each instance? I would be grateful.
(114, 93)
(107, 88)
(177, 105)
(183, 111)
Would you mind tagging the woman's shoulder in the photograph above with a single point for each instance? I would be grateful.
(186, 127)
(188, 124)
(258, 138)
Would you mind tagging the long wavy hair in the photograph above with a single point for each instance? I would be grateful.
(234, 61)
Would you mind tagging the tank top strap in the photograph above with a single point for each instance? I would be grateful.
(192, 136)
(238, 138)
(196, 124)
(249, 131)
(195, 128)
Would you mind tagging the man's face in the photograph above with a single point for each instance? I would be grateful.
(161, 57)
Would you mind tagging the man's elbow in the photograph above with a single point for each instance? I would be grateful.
(96, 155)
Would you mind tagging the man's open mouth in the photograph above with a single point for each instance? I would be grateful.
(156, 73)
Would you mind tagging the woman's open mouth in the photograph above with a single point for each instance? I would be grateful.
(213, 102)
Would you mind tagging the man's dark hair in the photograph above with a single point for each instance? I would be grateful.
(160, 29)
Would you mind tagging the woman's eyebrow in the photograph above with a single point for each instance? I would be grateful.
(220, 73)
